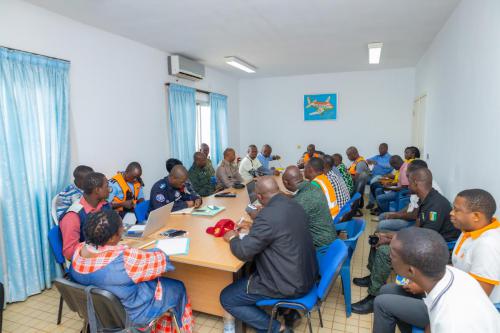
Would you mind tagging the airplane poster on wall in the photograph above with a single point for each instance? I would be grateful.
(320, 107)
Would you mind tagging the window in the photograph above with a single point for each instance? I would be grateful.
(203, 131)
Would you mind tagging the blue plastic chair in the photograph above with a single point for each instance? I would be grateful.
(141, 211)
(330, 264)
(56, 244)
(346, 208)
(354, 229)
(417, 330)
(451, 245)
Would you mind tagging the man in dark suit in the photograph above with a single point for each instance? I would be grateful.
(280, 244)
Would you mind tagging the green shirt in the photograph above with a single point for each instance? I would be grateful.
(315, 205)
(347, 177)
(200, 178)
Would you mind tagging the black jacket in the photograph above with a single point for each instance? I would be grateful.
(281, 245)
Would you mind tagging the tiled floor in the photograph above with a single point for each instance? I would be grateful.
(39, 312)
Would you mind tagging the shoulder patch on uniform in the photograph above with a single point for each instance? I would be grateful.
(160, 197)
(163, 185)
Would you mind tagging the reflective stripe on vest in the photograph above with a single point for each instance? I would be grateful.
(124, 187)
(352, 168)
(329, 192)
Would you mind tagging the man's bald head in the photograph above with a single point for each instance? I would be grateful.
(420, 181)
(291, 177)
(266, 188)
(352, 153)
(178, 176)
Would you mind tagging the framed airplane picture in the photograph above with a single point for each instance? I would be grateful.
(320, 107)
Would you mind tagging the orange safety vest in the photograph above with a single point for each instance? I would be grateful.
(352, 168)
(328, 190)
(124, 187)
(307, 158)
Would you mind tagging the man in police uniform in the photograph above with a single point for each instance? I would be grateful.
(434, 213)
(174, 188)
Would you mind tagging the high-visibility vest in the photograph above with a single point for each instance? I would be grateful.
(352, 168)
(118, 178)
(307, 157)
(328, 190)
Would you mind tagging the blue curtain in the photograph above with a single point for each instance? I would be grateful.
(218, 125)
(182, 115)
(34, 162)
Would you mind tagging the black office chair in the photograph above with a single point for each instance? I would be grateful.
(110, 316)
(2, 300)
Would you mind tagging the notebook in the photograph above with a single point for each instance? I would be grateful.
(183, 211)
(174, 246)
(208, 210)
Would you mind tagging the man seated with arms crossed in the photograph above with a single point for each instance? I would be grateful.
(95, 192)
(227, 172)
(280, 245)
(433, 213)
(314, 171)
(337, 161)
(201, 175)
(73, 192)
(174, 188)
(337, 181)
(126, 189)
(312, 199)
(250, 165)
(381, 167)
(455, 301)
(476, 252)
(265, 157)
(310, 153)
(386, 182)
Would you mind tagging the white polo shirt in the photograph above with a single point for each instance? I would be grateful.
(478, 253)
(248, 164)
(458, 304)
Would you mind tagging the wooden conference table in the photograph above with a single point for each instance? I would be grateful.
(209, 266)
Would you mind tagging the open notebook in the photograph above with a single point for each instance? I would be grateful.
(174, 246)
(208, 210)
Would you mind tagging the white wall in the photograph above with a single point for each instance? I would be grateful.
(373, 107)
(460, 73)
(118, 96)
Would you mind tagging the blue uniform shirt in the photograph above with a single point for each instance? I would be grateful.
(383, 167)
(163, 193)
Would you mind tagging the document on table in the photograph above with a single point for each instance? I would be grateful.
(174, 246)
(188, 210)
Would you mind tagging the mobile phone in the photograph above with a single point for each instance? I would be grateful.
(177, 233)
(250, 208)
(402, 281)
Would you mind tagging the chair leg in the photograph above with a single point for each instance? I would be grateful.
(320, 317)
(346, 286)
(308, 315)
(59, 313)
(274, 312)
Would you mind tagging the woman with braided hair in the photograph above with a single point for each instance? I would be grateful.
(133, 275)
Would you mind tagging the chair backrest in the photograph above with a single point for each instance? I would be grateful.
(354, 229)
(329, 266)
(53, 210)
(107, 307)
(141, 211)
(451, 245)
(56, 244)
(347, 208)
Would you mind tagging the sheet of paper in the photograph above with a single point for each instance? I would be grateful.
(173, 246)
(129, 219)
(183, 211)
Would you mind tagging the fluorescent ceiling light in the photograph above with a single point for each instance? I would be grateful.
(374, 51)
(240, 64)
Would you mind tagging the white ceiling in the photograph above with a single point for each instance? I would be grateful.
(279, 37)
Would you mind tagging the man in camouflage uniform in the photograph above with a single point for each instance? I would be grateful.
(201, 175)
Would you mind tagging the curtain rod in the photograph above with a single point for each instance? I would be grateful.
(198, 90)
(41, 55)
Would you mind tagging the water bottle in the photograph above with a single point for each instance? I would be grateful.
(229, 323)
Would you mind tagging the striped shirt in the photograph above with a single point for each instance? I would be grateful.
(66, 198)
(339, 186)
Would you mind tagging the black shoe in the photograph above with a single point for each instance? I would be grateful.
(364, 306)
(291, 318)
(358, 213)
(362, 282)
(375, 211)
(370, 206)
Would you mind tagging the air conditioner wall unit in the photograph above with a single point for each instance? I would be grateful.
(185, 68)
